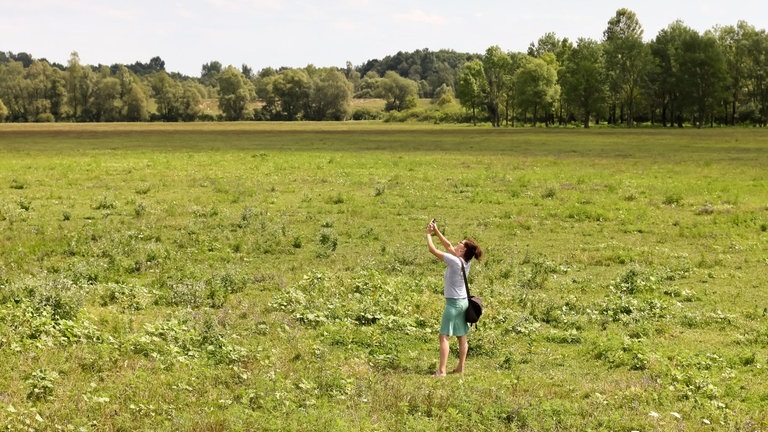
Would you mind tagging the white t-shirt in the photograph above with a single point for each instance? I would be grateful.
(453, 281)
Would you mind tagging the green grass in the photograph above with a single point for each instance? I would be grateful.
(275, 277)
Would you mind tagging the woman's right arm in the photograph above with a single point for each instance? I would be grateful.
(431, 228)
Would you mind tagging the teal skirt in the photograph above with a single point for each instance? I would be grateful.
(454, 323)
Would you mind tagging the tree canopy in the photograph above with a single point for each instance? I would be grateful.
(679, 77)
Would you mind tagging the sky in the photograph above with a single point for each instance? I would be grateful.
(295, 33)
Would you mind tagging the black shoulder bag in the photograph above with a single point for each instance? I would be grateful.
(475, 309)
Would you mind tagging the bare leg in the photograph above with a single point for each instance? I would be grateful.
(463, 348)
(444, 351)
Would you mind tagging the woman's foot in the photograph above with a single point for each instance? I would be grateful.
(458, 371)
(438, 374)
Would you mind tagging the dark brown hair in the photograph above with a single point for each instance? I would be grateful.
(472, 250)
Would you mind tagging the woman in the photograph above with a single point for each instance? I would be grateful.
(455, 292)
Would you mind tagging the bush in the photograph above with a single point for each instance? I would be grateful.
(64, 299)
(41, 384)
(45, 118)
(105, 203)
(438, 113)
(128, 297)
(673, 199)
(366, 114)
(445, 99)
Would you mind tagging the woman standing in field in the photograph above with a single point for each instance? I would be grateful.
(453, 322)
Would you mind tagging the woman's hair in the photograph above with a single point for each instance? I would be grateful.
(472, 250)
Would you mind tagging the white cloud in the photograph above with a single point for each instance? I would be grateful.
(184, 12)
(245, 5)
(347, 26)
(421, 17)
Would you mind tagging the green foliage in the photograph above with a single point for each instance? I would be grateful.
(472, 87)
(364, 113)
(129, 298)
(41, 384)
(583, 78)
(398, 92)
(235, 92)
(3, 111)
(679, 77)
(537, 88)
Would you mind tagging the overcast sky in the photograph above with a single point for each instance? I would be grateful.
(260, 33)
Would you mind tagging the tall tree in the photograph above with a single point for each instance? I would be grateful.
(550, 43)
(498, 74)
(582, 80)
(79, 87)
(690, 74)
(398, 92)
(133, 95)
(472, 87)
(537, 87)
(511, 95)
(247, 71)
(107, 103)
(291, 89)
(235, 92)
(156, 64)
(626, 59)
(664, 73)
(702, 75)
(190, 100)
(330, 95)
(38, 82)
(754, 46)
(166, 93)
(135, 104)
(13, 90)
(560, 48)
(368, 86)
(57, 93)
(728, 39)
(210, 72)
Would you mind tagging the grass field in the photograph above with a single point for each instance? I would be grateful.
(266, 276)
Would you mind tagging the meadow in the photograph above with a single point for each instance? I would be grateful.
(267, 276)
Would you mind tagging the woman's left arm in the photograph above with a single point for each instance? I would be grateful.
(444, 241)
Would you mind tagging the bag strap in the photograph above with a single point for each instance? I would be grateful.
(464, 273)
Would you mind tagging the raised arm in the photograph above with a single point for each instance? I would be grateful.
(446, 244)
(431, 229)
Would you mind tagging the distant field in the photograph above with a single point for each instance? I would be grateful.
(275, 276)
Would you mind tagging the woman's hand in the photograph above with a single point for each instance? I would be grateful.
(432, 229)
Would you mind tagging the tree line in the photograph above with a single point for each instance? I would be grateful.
(680, 77)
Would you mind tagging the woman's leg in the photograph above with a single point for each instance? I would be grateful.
(444, 351)
(463, 348)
